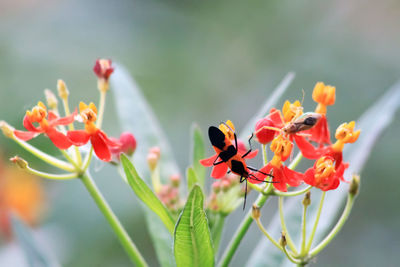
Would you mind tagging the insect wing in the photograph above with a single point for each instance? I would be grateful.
(217, 137)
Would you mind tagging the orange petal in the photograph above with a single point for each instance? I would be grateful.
(24, 136)
(219, 170)
(100, 147)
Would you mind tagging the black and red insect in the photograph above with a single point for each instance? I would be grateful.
(228, 154)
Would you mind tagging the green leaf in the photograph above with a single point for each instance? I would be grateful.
(268, 104)
(373, 123)
(144, 193)
(35, 256)
(192, 240)
(191, 178)
(136, 116)
(198, 153)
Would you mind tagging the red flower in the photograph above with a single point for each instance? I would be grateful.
(282, 175)
(320, 132)
(103, 69)
(47, 124)
(325, 174)
(220, 170)
(99, 140)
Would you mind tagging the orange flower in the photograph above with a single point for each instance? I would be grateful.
(19, 193)
(47, 121)
(100, 142)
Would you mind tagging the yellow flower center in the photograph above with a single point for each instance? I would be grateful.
(228, 129)
(345, 134)
(38, 113)
(281, 146)
(324, 168)
(291, 111)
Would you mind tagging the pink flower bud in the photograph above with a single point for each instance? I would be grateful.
(175, 180)
(216, 186)
(263, 135)
(225, 184)
(103, 69)
(156, 150)
(128, 143)
(152, 160)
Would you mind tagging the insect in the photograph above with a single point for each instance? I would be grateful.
(228, 154)
(299, 123)
(304, 122)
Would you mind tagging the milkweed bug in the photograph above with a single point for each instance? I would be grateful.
(228, 153)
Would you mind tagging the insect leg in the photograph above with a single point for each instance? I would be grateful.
(245, 196)
(263, 181)
(254, 169)
(245, 154)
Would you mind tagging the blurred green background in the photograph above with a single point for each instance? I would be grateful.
(206, 61)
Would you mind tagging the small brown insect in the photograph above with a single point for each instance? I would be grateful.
(302, 123)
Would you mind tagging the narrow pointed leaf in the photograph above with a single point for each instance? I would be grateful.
(373, 123)
(198, 153)
(191, 178)
(136, 116)
(144, 193)
(192, 240)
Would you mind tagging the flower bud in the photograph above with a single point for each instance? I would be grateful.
(282, 240)
(175, 180)
(354, 185)
(156, 150)
(225, 184)
(216, 186)
(307, 199)
(152, 160)
(128, 143)
(7, 129)
(264, 136)
(63, 92)
(20, 162)
(51, 99)
(255, 212)
(103, 69)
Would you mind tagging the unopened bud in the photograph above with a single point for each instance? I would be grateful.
(282, 240)
(307, 199)
(63, 92)
(156, 150)
(255, 212)
(7, 129)
(152, 160)
(20, 162)
(225, 184)
(354, 185)
(216, 186)
(128, 143)
(51, 99)
(175, 180)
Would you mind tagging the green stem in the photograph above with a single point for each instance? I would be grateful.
(336, 229)
(71, 128)
(246, 222)
(292, 194)
(216, 231)
(50, 175)
(115, 224)
(240, 232)
(102, 105)
(68, 157)
(303, 232)
(270, 238)
(298, 262)
(45, 157)
(321, 204)
(284, 228)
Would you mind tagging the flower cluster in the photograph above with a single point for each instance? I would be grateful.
(42, 120)
(309, 131)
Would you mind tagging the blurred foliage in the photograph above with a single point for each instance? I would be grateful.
(214, 60)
